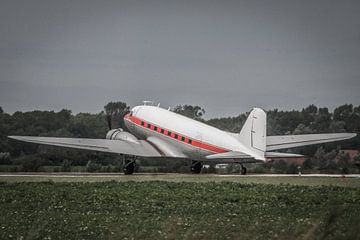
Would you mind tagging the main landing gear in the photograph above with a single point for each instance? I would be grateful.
(196, 167)
(129, 166)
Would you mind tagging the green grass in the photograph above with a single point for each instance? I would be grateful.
(294, 180)
(177, 210)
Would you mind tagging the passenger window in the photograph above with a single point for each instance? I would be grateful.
(175, 136)
(190, 141)
(169, 133)
(155, 128)
(162, 131)
(149, 125)
(183, 139)
(142, 123)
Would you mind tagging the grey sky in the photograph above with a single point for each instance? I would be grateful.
(226, 56)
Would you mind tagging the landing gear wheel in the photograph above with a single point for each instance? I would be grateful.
(243, 170)
(196, 167)
(129, 167)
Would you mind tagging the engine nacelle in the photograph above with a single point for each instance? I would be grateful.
(119, 134)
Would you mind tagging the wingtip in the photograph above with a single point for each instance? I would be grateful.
(16, 137)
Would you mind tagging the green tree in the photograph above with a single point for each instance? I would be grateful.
(344, 162)
(308, 115)
(322, 121)
(302, 129)
(320, 159)
(1, 110)
(331, 159)
(337, 126)
(88, 125)
(343, 112)
(115, 112)
(194, 112)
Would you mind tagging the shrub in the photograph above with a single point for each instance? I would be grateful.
(92, 166)
(66, 166)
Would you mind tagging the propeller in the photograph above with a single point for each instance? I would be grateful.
(108, 119)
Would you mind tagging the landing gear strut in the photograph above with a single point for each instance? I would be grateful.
(129, 166)
(196, 167)
(242, 170)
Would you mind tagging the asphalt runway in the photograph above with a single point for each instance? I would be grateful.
(81, 174)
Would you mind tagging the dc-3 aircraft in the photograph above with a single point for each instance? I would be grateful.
(155, 132)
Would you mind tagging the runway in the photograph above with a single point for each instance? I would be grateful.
(111, 175)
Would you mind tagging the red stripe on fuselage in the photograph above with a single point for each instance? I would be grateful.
(194, 142)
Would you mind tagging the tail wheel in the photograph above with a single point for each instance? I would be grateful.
(196, 167)
(129, 167)
(243, 170)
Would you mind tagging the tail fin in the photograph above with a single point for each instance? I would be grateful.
(253, 133)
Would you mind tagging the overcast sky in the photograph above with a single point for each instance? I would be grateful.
(226, 56)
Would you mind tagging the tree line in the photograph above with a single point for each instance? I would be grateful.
(20, 156)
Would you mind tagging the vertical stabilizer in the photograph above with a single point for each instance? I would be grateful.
(253, 133)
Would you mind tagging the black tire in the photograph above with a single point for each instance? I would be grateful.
(129, 168)
(196, 167)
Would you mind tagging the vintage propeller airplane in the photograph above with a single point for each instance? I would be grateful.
(155, 132)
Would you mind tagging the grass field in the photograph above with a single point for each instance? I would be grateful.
(176, 209)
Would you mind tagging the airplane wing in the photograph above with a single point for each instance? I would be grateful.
(290, 141)
(141, 148)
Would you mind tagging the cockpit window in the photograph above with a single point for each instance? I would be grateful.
(131, 113)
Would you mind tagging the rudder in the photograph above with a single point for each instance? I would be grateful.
(253, 133)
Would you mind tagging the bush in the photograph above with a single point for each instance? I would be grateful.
(29, 163)
(107, 168)
(259, 168)
(92, 166)
(292, 169)
(5, 158)
(66, 166)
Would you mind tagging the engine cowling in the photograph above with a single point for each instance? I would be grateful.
(120, 134)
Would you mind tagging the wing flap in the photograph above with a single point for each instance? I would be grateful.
(141, 148)
(290, 141)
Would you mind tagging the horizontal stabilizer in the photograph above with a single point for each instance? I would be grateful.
(291, 141)
(229, 155)
(282, 155)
